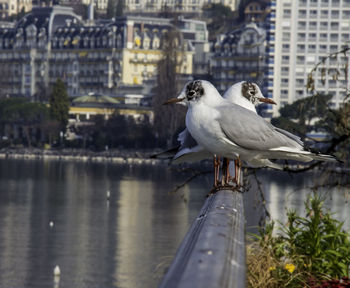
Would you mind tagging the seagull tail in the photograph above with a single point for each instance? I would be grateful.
(272, 165)
(167, 154)
(325, 157)
(256, 163)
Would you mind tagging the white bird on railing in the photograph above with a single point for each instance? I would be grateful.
(245, 94)
(229, 130)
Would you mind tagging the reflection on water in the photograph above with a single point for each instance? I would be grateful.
(127, 241)
(283, 191)
(123, 242)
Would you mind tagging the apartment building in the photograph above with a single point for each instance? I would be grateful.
(301, 33)
(53, 42)
(183, 6)
(11, 7)
(240, 56)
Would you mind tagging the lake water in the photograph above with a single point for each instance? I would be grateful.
(127, 241)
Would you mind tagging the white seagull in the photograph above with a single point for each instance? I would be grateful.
(230, 130)
(245, 94)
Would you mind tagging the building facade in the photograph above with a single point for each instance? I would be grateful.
(255, 10)
(12, 7)
(240, 56)
(301, 34)
(196, 34)
(183, 6)
(52, 42)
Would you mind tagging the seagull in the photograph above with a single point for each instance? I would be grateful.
(245, 94)
(230, 130)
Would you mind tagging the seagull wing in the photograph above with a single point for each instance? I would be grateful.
(250, 131)
(290, 135)
(186, 140)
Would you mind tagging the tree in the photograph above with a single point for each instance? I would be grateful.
(124, 131)
(303, 115)
(111, 8)
(219, 19)
(120, 8)
(167, 119)
(20, 114)
(59, 104)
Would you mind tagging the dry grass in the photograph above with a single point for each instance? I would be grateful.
(260, 264)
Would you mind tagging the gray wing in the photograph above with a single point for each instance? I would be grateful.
(290, 135)
(250, 131)
(186, 140)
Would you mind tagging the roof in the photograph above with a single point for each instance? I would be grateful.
(234, 36)
(49, 18)
(95, 99)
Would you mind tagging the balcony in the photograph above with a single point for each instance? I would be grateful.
(143, 61)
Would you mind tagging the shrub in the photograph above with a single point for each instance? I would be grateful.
(312, 247)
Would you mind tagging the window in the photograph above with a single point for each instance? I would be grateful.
(302, 13)
(286, 13)
(345, 37)
(285, 70)
(301, 24)
(284, 93)
(313, 25)
(301, 36)
(346, 14)
(334, 25)
(312, 36)
(324, 25)
(324, 13)
(334, 37)
(300, 82)
(300, 59)
(323, 36)
(313, 13)
(335, 14)
(299, 93)
(300, 47)
(333, 48)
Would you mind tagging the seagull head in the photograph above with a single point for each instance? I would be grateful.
(195, 91)
(252, 93)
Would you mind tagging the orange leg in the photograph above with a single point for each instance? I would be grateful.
(239, 171)
(216, 170)
(236, 171)
(227, 171)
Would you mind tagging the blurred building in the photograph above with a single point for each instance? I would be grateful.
(189, 6)
(12, 7)
(106, 58)
(240, 55)
(255, 10)
(301, 34)
(85, 108)
(196, 33)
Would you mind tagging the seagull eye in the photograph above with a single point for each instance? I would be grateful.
(191, 93)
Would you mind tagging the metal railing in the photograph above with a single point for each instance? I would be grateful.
(212, 253)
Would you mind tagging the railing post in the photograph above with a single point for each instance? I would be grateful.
(212, 253)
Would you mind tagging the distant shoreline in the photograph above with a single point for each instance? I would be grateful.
(111, 156)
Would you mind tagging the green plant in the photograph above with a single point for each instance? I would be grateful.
(314, 246)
